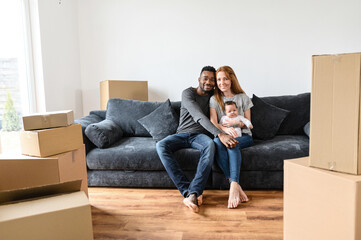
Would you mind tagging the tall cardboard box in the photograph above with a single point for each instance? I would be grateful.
(48, 120)
(51, 141)
(20, 171)
(54, 212)
(335, 132)
(320, 204)
(133, 90)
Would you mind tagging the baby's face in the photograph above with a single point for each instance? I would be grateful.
(231, 111)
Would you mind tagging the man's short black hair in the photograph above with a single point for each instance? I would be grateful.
(209, 69)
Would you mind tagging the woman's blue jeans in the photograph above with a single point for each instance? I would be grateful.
(169, 145)
(230, 159)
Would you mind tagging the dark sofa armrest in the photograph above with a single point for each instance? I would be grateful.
(85, 121)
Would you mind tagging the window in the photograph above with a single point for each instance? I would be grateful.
(16, 88)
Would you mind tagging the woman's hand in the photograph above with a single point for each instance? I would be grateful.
(231, 131)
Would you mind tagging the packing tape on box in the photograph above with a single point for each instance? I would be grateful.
(45, 117)
(331, 165)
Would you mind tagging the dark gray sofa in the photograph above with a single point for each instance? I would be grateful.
(132, 161)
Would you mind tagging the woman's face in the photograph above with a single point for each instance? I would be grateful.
(223, 83)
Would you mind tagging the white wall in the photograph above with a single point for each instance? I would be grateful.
(269, 44)
(60, 55)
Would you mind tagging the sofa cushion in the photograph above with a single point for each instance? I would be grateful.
(299, 107)
(266, 118)
(85, 122)
(162, 122)
(137, 154)
(104, 133)
(269, 155)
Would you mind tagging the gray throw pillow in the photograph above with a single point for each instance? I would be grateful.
(125, 113)
(299, 107)
(104, 133)
(266, 118)
(306, 129)
(162, 122)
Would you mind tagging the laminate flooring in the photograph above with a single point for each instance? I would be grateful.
(127, 213)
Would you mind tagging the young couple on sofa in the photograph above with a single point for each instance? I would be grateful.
(218, 94)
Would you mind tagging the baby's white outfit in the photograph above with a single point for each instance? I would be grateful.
(238, 118)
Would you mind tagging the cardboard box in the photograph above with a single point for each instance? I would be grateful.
(48, 120)
(72, 165)
(54, 212)
(320, 204)
(134, 90)
(47, 142)
(335, 132)
(20, 171)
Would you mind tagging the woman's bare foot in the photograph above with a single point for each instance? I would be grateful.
(234, 195)
(242, 195)
(191, 202)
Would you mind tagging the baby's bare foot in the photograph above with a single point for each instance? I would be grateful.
(242, 194)
(191, 202)
(234, 195)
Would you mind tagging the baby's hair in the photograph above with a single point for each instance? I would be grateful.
(228, 103)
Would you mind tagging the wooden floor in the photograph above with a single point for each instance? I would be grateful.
(123, 213)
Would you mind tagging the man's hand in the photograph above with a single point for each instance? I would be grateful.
(227, 140)
(231, 131)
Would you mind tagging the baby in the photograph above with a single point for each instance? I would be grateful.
(231, 111)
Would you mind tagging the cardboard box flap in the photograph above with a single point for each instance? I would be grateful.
(43, 206)
(37, 192)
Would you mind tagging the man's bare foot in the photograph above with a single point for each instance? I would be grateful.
(191, 202)
(200, 200)
(242, 195)
(234, 195)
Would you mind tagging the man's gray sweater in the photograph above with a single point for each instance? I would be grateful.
(194, 114)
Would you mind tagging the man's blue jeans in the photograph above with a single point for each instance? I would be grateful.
(171, 144)
(230, 159)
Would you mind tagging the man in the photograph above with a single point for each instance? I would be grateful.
(193, 132)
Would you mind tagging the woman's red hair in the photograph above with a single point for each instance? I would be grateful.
(235, 87)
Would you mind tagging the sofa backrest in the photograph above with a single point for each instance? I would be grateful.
(298, 105)
(299, 116)
(176, 107)
(99, 113)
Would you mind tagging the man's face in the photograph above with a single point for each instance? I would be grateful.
(207, 80)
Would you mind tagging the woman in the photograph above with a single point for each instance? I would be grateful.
(229, 159)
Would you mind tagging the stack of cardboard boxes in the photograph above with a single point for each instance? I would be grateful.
(43, 193)
(322, 193)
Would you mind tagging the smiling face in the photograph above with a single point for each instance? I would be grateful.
(207, 81)
(231, 111)
(223, 82)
